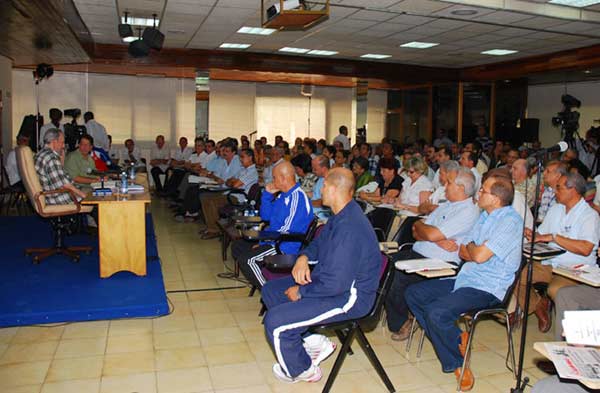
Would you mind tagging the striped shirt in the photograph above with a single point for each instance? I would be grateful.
(248, 176)
(52, 176)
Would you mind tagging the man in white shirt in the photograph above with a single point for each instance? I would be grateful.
(343, 138)
(12, 170)
(56, 116)
(159, 161)
(469, 160)
(442, 155)
(572, 225)
(276, 157)
(131, 153)
(177, 169)
(97, 131)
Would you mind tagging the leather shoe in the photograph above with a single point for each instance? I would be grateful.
(514, 319)
(468, 379)
(464, 340)
(542, 312)
(546, 366)
(404, 331)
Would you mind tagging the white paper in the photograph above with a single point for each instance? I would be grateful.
(193, 179)
(582, 327)
(423, 265)
(107, 184)
(575, 362)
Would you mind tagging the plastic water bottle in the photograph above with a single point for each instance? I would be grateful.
(132, 171)
(124, 186)
(253, 212)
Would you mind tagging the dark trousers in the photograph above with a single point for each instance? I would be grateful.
(174, 180)
(249, 259)
(436, 306)
(396, 308)
(191, 199)
(155, 172)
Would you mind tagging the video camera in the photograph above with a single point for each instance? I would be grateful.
(73, 131)
(568, 119)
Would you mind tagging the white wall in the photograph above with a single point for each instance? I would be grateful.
(6, 88)
(543, 102)
(128, 106)
(238, 108)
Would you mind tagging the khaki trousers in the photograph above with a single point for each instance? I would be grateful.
(211, 202)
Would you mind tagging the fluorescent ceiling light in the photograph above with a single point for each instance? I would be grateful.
(130, 39)
(322, 52)
(419, 45)
(375, 56)
(228, 45)
(499, 52)
(140, 21)
(293, 50)
(255, 30)
(575, 3)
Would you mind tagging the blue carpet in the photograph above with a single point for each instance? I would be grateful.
(58, 290)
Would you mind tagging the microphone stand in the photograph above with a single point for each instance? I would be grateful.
(521, 384)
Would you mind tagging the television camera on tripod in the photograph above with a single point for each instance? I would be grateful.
(73, 131)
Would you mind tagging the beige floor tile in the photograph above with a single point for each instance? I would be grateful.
(131, 343)
(19, 353)
(216, 306)
(128, 363)
(7, 334)
(487, 363)
(26, 389)
(86, 330)
(236, 293)
(29, 334)
(225, 335)
(183, 339)
(80, 348)
(175, 285)
(184, 381)
(205, 295)
(139, 383)
(23, 374)
(359, 382)
(3, 348)
(125, 327)
(247, 318)
(179, 358)
(75, 368)
(236, 375)
(72, 386)
(244, 304)
(405, 377)
(262, 351)
(481, 386)
(228, 354)
(173, 323)
(254, 333)
(213, 321)
(247, 389)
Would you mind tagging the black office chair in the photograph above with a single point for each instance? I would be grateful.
(348, 330)
(381, 219)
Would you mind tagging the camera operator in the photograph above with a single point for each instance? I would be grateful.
(588, 150)
(56, 116)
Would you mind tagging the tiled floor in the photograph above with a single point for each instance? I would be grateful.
(213, 342)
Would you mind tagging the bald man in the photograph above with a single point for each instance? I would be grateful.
(288, 209)
(341, 286)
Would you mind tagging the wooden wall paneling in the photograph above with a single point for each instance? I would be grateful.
(492, 130)
(460, 110)
(430, 113)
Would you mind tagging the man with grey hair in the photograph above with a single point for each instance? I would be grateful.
(275, 158)
(447, 169)
(320, 167)
(437, 236)
(49, 166)
(571, 225)
(520, 176)
(552, 172)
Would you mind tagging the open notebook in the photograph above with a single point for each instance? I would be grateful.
(423, 264)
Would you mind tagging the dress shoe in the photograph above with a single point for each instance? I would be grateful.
(464, 340)
(404, 331)
(542, 312)
(468, 379)
(514, 320)
(546, 366)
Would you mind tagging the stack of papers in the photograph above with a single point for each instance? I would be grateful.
(542, 250)
(423, 265)
(582, 327)
(107, 184)
(575, 362)
(193, 179)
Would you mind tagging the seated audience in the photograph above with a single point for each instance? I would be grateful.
(367, 153)
(437, 237)
(360, 169)
(12, 170)
(113, 154)
(159, 161)
(275, 158)
(259, 153)
(320, 167)
(177, 170)
(572, 225)
(492, 255)
(389, 184)
(131, 153)
(309, 147)
(80, 165)
(49, 167)
(340, 160)
(469, 160)
(56, 116)
(552, 172)
(302, 166)
(520, 176)
(288, 209)
(342, 285)
(417, 188)
(447, 171)
(442, 155)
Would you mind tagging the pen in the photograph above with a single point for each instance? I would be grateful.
(578, 266)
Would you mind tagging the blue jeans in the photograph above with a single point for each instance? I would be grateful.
(436, 306)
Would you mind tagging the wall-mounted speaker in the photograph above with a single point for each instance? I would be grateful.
(153, 38)
(138, 48)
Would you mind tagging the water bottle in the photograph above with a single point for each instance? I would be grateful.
(253, 212)
(132, 171)
(124, 187)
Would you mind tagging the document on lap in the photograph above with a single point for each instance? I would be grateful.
(193, 179)
(582, 327)
(423, 264)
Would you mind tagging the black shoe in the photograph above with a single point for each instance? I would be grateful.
(546, 366)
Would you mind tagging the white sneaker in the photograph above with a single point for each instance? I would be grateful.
(318, 347)
(313, 374)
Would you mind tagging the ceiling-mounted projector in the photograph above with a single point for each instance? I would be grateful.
(274, 10)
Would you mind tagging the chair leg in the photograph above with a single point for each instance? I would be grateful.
(421, 341)
(366, 347)
(342, 337)
(252, 290)
(339, 360)
(467, 358)
(411, 334)
(511, 348)
(263, 309)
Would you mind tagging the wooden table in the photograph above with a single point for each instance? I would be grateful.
(121, 232)
(541, 348)
(575, 276)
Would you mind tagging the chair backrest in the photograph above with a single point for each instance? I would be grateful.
(254, 194)
(385, 282)
(381, 220)
(30, 178)
(310, 231)
(513, 285)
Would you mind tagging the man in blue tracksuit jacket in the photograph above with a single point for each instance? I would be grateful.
(288, 209)
(342, 285)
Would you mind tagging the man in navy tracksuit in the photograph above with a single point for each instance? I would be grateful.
(288, 209)
(342, 285)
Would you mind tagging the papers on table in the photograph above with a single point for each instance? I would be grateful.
(107, 184)
(423, 265)
(388, 247)
(575, 362)
(542, 250)
(587, 274)
(582, 327)
(193, 179)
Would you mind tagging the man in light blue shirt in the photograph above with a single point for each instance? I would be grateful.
(492, 255)
(320, 167)
(437, 236)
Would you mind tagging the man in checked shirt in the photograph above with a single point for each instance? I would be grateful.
(49, 166)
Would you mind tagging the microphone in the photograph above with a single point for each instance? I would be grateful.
(561, 146)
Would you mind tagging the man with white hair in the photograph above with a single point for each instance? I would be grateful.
(437, 236)
(275, 158)
(520, 176)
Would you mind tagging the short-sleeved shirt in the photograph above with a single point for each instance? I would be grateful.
(395, 184)
(78, 165)
(307, 183)
(501, 231)
(580, 223)
(438, 196)
(248, 176)
(454, 220)
(410, 192)
(228, 170)
(134, 156)
(317, 189)
(160, 154)
(52, 176)
(183, 155)
(548, 200)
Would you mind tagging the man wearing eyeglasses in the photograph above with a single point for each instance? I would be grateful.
(492, 255)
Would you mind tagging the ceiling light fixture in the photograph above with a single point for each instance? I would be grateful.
(140, 21)
(575, 3)
(256, 30)
(419, 45)
(293, 50)
(229, 45)
(129, 39)
(499, 52)
(375, 56)
(587, 72)
(463, 12)
(319, 52)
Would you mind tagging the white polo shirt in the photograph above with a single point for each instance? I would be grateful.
(410, 192)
